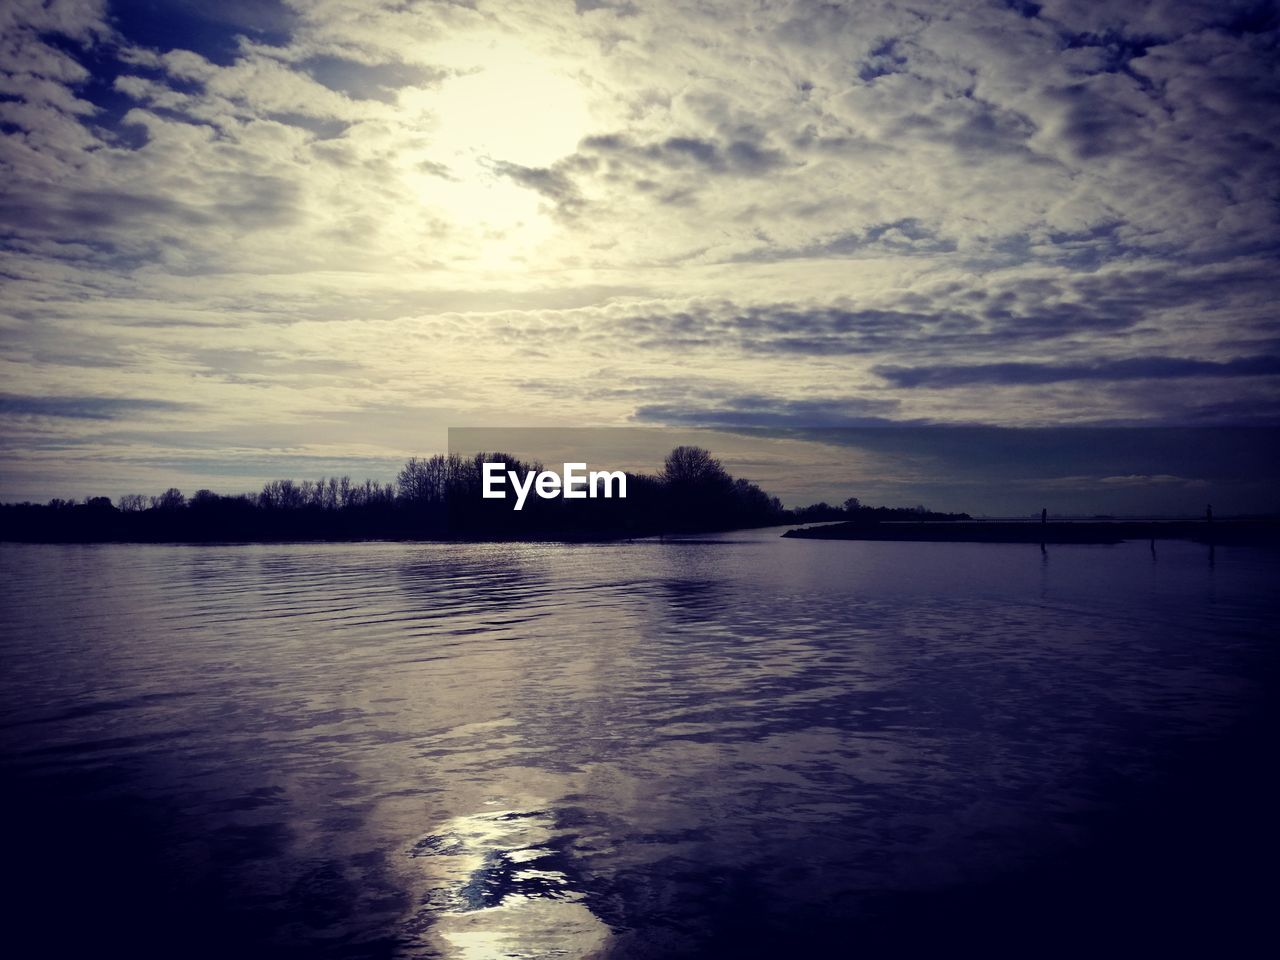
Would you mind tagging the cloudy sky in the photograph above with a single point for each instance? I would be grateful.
(253, 239)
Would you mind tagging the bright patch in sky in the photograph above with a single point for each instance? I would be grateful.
(516, 107)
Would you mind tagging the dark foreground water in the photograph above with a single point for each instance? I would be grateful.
(739, 747)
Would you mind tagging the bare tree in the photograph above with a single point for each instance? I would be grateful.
(171, 499)
(693, 466)
(281, 495)
(415, 481)
(132, 503)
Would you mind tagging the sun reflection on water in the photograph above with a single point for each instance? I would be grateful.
(502, 885)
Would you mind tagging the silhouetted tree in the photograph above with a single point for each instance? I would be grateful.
(204, 499)
(171, 499)
(436, 497)
(693, 467)
(426, 481)
(700, 494)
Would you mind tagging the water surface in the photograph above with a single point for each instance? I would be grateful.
(735, 746)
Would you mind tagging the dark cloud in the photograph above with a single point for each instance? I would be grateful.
(270, 367)
(882, 61)
(904, 236)
(367, 81)
(974, 129)
(785, 329)
(28, 211)
(986, 128)
(676, 164)
(678, 149)
(748, 155)
(985, 454)
(756, 410)
(127, 217)
(1096, 126)
(1021, 374)
(1094, 314)
(1024, 8)
(324, 128)
(83, 408)
(554, 184)
(1115, 48)
(1241, 411)
(843, 331)
(621, 8)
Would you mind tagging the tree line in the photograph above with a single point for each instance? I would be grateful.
(437, 497)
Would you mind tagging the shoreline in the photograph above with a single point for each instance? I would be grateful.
(1251, 532)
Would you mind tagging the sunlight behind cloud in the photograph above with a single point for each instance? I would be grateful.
(518, 108)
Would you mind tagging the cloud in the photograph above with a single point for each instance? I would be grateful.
(84, 408)
(1134, 368)
(1146, 480)
(746, 155)
(756, 411)
(555, 185)
(367, 81)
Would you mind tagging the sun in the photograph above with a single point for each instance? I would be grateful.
(509, 106)
(516, 107)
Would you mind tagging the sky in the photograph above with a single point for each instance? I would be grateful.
(247, 240)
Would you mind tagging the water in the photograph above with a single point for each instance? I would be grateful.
(722, 747)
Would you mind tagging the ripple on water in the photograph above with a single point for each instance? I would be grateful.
(538, 751)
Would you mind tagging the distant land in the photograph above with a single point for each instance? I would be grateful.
(1226, 531)
(437, 498)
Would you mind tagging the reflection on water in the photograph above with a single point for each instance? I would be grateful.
(633, 750)
(503, 886)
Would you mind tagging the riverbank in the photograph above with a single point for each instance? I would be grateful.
(1258, 532)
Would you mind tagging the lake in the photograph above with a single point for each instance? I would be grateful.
(733, 746)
